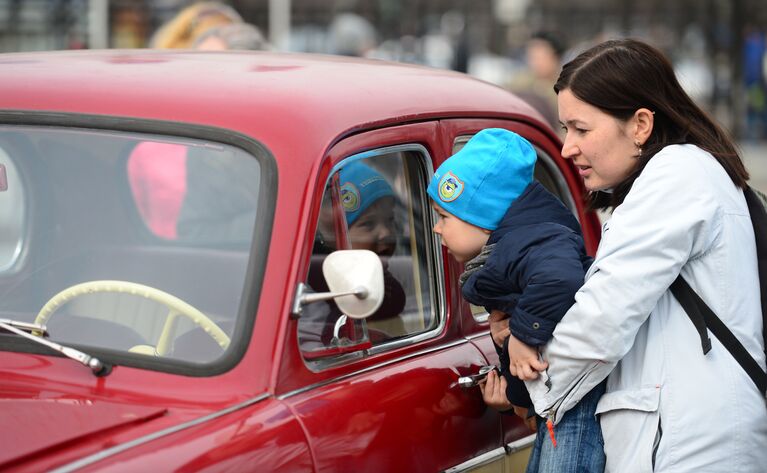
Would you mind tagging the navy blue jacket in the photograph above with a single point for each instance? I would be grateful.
(537, 265)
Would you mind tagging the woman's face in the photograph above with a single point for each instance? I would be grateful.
(601, 146)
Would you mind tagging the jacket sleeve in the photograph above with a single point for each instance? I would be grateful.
(533, 281)
(516, 391)
(552, 274)
(670, 216)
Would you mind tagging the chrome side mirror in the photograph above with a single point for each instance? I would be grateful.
(355, 280)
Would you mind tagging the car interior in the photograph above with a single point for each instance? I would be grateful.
(81, 194)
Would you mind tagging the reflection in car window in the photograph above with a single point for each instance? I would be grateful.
(168, 223)
(374, 202)
(12, 211)
(196, 194)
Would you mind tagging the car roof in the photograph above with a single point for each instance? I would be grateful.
(298, 96)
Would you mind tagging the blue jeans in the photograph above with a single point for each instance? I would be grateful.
(580, 447)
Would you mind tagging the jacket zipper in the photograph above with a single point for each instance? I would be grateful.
(554, 408)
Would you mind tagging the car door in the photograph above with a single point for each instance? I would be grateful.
(558, 177)
(381, 394)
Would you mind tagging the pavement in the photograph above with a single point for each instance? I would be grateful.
(754, 156)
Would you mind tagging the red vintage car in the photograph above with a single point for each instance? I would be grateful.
(186, 280)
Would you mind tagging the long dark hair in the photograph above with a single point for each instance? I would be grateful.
(621, 76)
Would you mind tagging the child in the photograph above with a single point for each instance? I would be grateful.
(525, 259)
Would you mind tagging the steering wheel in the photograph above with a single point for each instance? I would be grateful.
(175, 305)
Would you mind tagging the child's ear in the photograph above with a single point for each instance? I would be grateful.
(486, 231)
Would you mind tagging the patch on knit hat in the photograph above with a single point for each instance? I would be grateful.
(450, 187)
(361, 187)
(350, 197)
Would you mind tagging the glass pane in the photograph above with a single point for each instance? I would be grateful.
(171, 220)
(195, 194)
(376, 203)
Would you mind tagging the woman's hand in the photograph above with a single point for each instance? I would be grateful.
(499, 326)
(531, 421)
(524, 362)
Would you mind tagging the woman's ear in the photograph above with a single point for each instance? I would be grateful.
(644, 120)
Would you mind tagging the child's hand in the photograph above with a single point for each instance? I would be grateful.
(494, 392)
(499, 326)
(524, 362)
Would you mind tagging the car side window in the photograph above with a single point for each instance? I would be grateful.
(547, 174)
(12, 212)
(375, 201)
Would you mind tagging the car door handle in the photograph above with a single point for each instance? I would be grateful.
(474, 379)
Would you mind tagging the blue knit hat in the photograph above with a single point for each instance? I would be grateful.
(478, 183)
(361, 186)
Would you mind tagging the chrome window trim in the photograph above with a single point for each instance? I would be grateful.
(460, 140)
(435, 271)
(559, 178)
(493, 455)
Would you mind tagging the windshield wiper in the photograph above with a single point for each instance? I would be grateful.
(37, 329)
(14, 326)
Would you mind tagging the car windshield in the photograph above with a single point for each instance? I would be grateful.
(126, 242)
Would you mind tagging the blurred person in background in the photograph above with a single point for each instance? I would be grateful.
(192, 22)
(158, 171)
(754, 52)
(234, 36)
(350, 34)
(129, 27)
(543, 55)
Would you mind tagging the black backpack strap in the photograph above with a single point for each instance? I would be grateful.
(756, 202)
(688, 299)
(702, 316)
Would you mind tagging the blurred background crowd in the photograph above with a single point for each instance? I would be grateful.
(718, 47)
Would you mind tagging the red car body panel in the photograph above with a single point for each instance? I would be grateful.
(269, 412)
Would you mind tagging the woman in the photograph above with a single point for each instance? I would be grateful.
(675, 182)
(191, 22)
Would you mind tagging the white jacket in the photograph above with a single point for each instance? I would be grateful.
(668, 407)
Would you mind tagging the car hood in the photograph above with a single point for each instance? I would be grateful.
(44, 424)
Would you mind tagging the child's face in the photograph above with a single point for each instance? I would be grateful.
(463, 240)
(375, 228)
